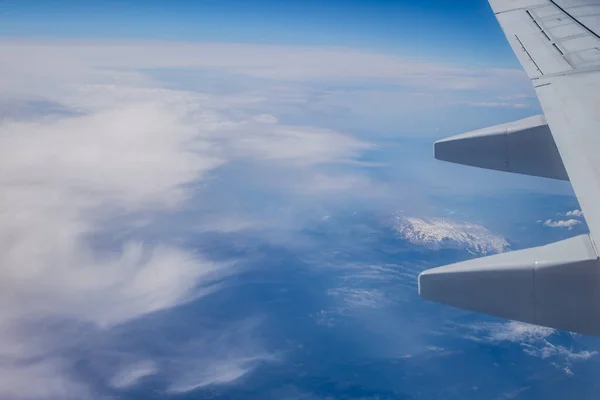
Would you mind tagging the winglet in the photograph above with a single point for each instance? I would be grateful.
(557, 285)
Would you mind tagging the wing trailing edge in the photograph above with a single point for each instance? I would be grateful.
(557, 285)
(523, 147)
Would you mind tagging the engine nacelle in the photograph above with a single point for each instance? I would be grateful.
(523, 147)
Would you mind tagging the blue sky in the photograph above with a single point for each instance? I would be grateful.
(440, 29)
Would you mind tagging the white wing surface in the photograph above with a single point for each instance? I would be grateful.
(558, 44)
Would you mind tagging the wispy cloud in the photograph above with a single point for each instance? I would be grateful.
(517, 96)
(534, 340)
(99, 149)
(220, 357)
(514, 393)
(574, 213)
(67, 60)
(125, 147)
(64, 176)
(360, 297)
(513, 331)
(215, 372)
(494, 104)
(568, 223)
(47, 378)
(131, 374)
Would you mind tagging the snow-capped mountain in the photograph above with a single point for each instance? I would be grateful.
(441, 233)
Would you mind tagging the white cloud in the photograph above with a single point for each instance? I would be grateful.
(328, 184)
(302, 146)
(566, 223)
(569, 223)
(47, 378)
(131, 374)
(135, 153)
(215, 372)
(517, 97)
(360, 297)
(60, 173)
(514, 331)
(501, 104)
(229, 224)
(122, 145)
(514, 393)
(218, 358)
(534, 340)
(62, 177)
(69, 60)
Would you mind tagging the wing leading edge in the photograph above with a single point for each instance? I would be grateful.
(558, 44)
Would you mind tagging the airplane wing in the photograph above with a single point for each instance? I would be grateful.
(558, 285)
